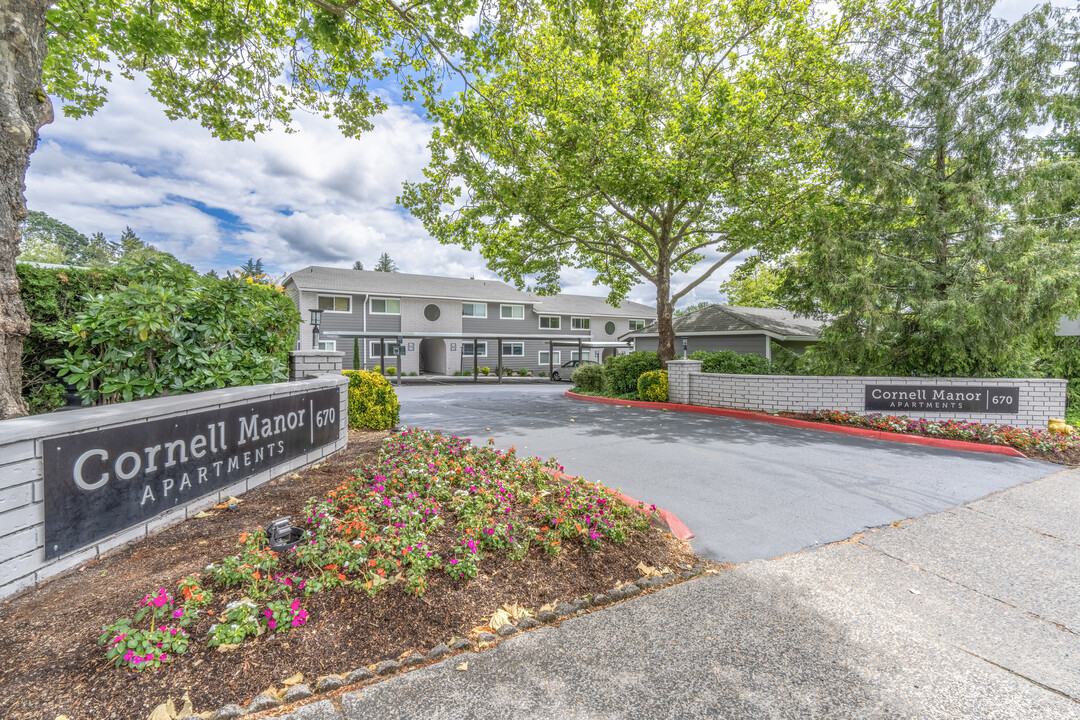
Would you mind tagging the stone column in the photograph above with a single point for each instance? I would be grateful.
(678, 378)
(304, 364)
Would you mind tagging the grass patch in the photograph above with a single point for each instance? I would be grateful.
(601, 393)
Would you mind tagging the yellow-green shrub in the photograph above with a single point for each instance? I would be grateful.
(652, 386)
(373, 404)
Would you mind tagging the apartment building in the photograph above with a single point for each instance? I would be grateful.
(450, 324)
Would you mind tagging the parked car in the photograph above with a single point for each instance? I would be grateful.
(567, 369)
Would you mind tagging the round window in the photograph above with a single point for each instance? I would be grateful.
(432, 312)
(610, 328)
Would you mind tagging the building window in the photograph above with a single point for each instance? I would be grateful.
(376, 349)
(512, 312)
(575, 355)
(609, 328)
(335, 303)
(474, 310)
(328, 345)
(550, 322)
(385, 306)
(555, 360)
(467, 349)
(637, 324)
(514, 349)
(579, 323)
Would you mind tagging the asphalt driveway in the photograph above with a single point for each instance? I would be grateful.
(748, 490)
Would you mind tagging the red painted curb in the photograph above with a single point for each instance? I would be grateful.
(806, 424)
(674, 525)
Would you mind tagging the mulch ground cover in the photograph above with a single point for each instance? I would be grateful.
(53, 665)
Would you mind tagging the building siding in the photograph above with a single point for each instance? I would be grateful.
(743, 344)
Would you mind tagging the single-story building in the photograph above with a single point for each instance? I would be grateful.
(740, 329)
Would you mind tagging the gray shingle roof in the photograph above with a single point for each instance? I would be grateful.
(722, 319)
(435, 286)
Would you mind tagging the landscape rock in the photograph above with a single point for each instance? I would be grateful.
(642, 583)
(629, 591)
(229, 712)
(546, 616)
(484, 637)
(359, 675)
(528, 623)
(297, 693)
(564, 609)
(387, 667)
(265, 701)
(506, 630)
(582, 604)
(615, 594)
(600, 599)
(414, 660)
(462, 644)
(330, 682)
(439, 651)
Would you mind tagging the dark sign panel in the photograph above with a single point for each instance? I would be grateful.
(102, 481)
(943, 399)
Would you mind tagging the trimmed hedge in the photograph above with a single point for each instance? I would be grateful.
(653, 386)
(373, 404)
(731, 362)
(621, 372)
(588, 376)
(53, 296)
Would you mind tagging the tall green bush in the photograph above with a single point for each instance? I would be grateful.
(373, 404)
(731, 362)
(621, 372)
(52, 297)
(170, 330)
(356, 353)
(588, 377)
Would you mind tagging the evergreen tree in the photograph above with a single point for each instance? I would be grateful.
(252, 268)
(358, 265)
(356, 353)
(385, 264)
(935, 260)
(130, 242)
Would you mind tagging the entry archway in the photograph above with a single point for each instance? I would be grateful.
(433, 356)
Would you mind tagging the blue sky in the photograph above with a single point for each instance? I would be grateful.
(310, 197)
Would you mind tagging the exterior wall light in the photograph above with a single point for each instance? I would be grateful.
(316, 318)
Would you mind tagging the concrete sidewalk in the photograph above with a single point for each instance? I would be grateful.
(971, 612)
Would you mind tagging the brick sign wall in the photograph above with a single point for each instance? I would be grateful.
(1021, 402)
(76, 484)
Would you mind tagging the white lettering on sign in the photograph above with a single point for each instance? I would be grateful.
(76, 470)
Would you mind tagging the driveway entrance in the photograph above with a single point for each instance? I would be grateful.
(748, 490)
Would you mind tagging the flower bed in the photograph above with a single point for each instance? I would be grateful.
(1023, 439)
(430, 503)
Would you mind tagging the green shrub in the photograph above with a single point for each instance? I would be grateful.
(543, 373)
(731, 362)
(589, 377)
(652, 386)
(373, 404)
(522, 372)
(52, 297)
(621, 372)
(391, 371)
(356, 353)
(170, 330)
(485, 370)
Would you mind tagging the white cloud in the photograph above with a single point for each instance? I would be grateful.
(293, 199)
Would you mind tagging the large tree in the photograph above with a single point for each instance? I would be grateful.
(650, 147)
(235, 66)
(950, 248)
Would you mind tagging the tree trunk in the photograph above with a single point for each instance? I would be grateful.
(23, 109)
(666, 334)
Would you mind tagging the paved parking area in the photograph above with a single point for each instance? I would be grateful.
(748, 490)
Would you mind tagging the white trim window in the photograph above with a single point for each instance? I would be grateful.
(513, 349)
(328, 345)
(550, 322)
(477, 310)
(579, 323)
(375, 349)
(575, 355)
(512, 312)
(467, 349)
(335, 303)
(542, 359)
(637, 324)
(385, 306)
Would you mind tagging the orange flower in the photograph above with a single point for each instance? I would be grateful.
(371, 563)
(243, 537)
(341, 577)
(257, 575)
